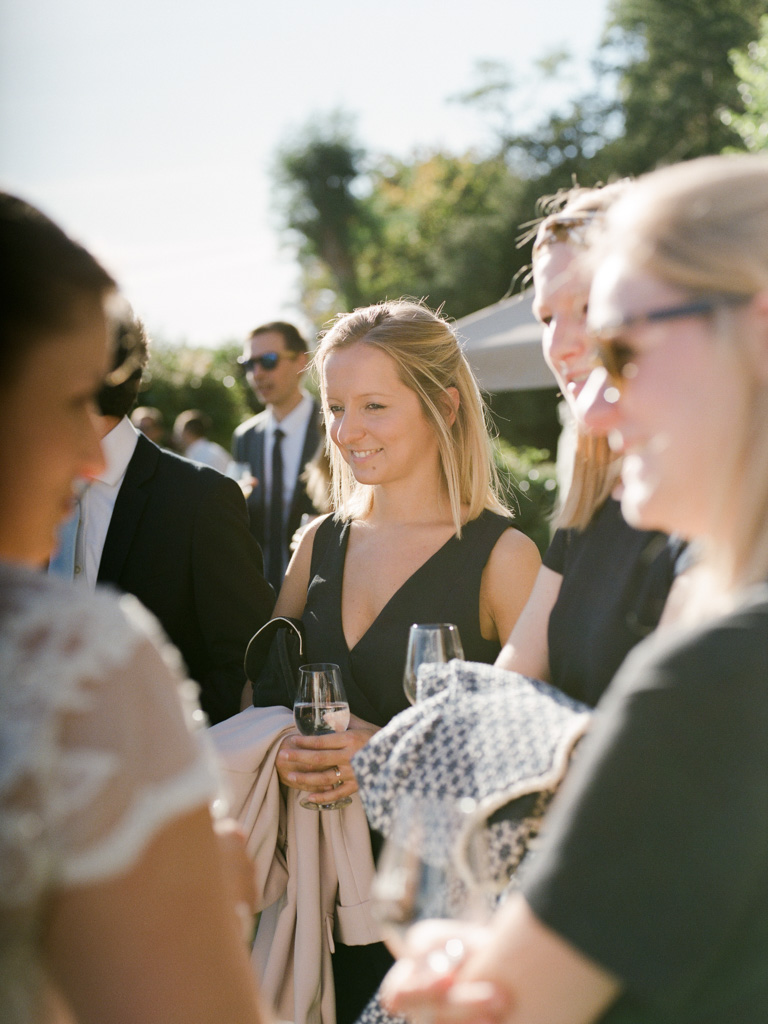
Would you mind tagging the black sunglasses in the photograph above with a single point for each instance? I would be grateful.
(618, 358)
(267, 362)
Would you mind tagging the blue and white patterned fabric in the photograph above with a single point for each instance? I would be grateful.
(495, 741)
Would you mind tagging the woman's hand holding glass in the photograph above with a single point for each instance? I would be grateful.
(428, 984)
(423, 873)
(309, 763)
(434, 893)
(321, 709)
(316, 758)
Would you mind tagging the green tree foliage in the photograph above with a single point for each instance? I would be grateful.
(527, 418)
(674, 76)
(443, 226)
(663, 80)
(529, 483)
(315, 175)
(179, 378)
(444, 232)
(432, 227)
(751, 68)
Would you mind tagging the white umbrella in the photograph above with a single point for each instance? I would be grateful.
(503, 345)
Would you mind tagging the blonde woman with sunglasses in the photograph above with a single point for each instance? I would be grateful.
(647, 901)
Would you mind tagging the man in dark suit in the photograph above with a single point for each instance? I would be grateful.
(175, 534)
(277, 443)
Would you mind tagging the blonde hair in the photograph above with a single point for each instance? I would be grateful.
(702, 226)
(429, 361)
(316, 477)
(596, 471)
(570, 214)
(571, 218)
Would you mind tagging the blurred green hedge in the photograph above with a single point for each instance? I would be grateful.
(529, 485)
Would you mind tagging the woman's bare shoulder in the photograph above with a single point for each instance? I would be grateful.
(513, 544)
(508, 580)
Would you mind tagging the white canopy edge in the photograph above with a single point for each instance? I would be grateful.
(503, 346)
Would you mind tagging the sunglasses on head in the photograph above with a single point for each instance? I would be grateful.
(268, 361)
(617, 357)
(557, 228)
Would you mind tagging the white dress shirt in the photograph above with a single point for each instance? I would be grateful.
(99, 500)
(294, 427)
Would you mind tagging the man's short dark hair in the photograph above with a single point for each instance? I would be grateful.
(44, 275)
(197, 422)
(147, 412)
(294, 341)
(118, 395)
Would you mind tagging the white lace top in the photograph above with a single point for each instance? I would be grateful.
(96, 755)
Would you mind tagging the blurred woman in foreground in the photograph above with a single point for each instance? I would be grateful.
(647, 901)
(114, 903)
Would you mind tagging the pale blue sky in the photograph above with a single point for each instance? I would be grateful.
(147, 128)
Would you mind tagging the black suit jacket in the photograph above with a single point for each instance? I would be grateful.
(248, 446)
(179, 540)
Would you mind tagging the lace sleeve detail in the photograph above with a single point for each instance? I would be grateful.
(100, 751)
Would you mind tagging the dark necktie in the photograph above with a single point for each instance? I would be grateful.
(275, 534)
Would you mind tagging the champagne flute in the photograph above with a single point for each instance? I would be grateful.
(429, 642)
(320, 708)
(417, 877)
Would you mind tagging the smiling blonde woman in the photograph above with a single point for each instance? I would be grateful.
(419, 535)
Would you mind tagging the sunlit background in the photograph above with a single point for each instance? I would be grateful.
(149, 130)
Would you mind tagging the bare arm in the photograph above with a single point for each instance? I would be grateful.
(293, 592)
(159, 943)
(508, 579)
(310, 763)
(527, 649)
(516, 971)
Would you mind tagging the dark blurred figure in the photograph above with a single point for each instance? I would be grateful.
(190, 434)
(149, 421)
(116, 903)
(175, 534)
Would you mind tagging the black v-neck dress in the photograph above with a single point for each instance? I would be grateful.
(446, 588)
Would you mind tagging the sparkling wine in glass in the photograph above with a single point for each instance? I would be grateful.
(321, 707)
(429, 642)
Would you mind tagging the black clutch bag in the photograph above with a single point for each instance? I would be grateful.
(272, 661)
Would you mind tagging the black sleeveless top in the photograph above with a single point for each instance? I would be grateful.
(615, 583)
(446, 588)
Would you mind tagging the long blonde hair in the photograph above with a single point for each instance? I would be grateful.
(702, 226)
(429, 361)
(571, 220)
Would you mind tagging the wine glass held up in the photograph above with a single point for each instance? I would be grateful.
(427, 643)
(320, 708)
(418, 874)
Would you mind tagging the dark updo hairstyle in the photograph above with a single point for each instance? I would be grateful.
(45, 278)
